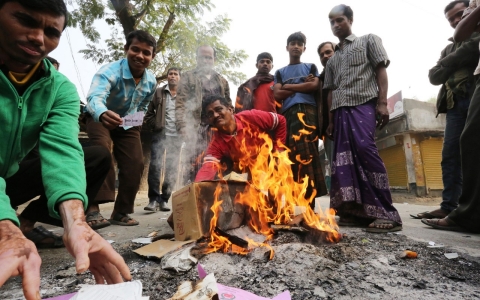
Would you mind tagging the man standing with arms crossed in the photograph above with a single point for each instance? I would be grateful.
(357, 79)
(40, 105)
(296, 86)
(454, 71)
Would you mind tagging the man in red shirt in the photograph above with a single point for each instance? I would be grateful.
(233, 131)
(257, 92)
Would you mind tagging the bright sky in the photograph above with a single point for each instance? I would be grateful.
(413, 34)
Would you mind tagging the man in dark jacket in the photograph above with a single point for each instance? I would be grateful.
(195, 86)
(454, 71)
(166, 143)
(257, 92)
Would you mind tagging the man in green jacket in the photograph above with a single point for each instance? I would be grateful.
(40, 105)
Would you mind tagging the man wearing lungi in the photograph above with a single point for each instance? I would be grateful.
(357, 79)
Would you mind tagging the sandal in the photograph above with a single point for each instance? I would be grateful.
(123, 220)
(353, 222)
(40, 233)
(451, 226)
(375, 226)
(96, 221)
(434, 214)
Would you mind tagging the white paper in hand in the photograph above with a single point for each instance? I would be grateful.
(135, 119)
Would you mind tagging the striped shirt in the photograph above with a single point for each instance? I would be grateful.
(114, 88)
(350, 73)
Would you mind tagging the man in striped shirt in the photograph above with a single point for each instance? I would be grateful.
(357, 81)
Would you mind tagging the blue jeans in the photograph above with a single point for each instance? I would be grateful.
(451, 163)
(172, 145)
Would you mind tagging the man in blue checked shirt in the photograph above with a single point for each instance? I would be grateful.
(119, 89)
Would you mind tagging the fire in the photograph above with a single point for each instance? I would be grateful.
(272, 194)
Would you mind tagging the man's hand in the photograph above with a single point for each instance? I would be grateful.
(18, 256)
(329, 130)
(88, 248)
(310, 78)
(382, 115)
(110, 120)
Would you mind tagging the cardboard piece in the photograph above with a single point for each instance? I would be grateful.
(234, 176)
(226, 292)
(159, 248)
(192, 208)
(244, 232)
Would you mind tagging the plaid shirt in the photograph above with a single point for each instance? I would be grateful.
(350, 73)
(113, 88)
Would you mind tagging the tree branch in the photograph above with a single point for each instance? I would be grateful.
(124, 13)
(166, 28)
(139, 17)
(161, 78)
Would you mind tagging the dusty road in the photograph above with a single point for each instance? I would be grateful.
(362, 266)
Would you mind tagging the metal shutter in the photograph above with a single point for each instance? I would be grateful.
(432, 157)
(396, 164)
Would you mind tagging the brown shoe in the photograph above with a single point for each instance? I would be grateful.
(434, 214)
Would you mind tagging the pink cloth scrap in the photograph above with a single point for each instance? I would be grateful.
(227, 293)
(63, 297)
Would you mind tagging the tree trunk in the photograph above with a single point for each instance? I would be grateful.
(124, 13)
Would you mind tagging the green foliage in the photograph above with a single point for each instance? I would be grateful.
(176, 24)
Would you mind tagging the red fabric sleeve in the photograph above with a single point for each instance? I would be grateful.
(267, 121)
(210, 162)
(207, 171)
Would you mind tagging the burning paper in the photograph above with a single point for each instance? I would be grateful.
(227, 293)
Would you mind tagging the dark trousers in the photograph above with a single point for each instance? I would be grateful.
(171, 146)
(27, 183)
(468, 211)
(451, 163)
(127, 150)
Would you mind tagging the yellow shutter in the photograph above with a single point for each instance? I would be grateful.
(396, 164)
(432, 157)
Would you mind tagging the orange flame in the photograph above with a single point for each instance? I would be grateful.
(272, 194)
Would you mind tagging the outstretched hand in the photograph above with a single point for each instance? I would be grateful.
(19, 256)
(89, 249)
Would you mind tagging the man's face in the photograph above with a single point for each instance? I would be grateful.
(341, 25)
(173, 77)
(454, 15)
(326, 52)
(264, 66)
(27, 36)
(296, 48)
(205, 58)
(219, 116)
(139, 56)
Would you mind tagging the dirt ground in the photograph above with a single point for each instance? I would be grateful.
(362, 266)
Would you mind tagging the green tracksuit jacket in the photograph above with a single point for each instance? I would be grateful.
(46, 113)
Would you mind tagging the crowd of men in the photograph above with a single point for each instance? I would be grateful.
(40, 154)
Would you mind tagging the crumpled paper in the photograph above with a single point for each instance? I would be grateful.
(179, 260)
